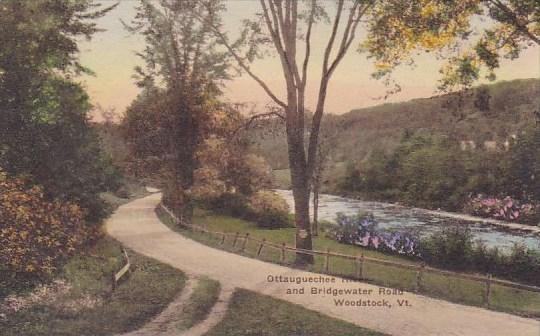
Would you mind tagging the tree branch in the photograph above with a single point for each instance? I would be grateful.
(241, 62)
(515, 20)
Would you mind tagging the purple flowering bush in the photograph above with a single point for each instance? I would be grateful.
(507, 209)
(362, 229)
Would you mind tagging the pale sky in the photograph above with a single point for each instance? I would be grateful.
(111, 55)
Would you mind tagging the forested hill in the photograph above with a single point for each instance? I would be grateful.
(486, 113)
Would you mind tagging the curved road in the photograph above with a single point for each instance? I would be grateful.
(136, 225)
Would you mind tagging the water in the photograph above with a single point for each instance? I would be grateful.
(393, 217)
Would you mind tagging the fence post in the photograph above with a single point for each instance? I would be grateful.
(223, 238)
(113, 277)
(419, 275)
(327, 260)
(359, 266)
(260, 247)
(283, 253)
(488, 290)
(235, 239)
(245, 242)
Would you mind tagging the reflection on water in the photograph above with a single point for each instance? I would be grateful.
(393, 217)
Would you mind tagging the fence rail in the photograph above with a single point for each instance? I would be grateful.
(359, 260)
(116, 276)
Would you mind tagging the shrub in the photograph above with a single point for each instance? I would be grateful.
(361, 229)
(231, 204)
(269, 209)
(507, 209)
(36, 234)
(451, 248)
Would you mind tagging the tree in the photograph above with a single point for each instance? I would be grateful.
(286, 27)
(511, 26)
(184, 67)
(43, 113)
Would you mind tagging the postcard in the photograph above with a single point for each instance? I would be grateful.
(269, 167)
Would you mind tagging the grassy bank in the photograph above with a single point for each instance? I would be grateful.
(87, 307)
(251, 314)
(435, 285)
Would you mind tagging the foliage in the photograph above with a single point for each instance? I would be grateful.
(361, 229)
(87, 307)
(44, 123)
(445, 27)
(231, 204)
(269, 210)
(505, 209)
(380, 128)
(36, 234)
(430, 170)
(450, 248)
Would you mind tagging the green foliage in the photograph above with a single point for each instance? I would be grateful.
(454, 248)
(430, 170)
(87, 309)
(511, 108)
(231, 204)
(43, 114)
(36, 234)
(450, 248)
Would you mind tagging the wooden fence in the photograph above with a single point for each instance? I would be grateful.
(359, 260)
(116, 276)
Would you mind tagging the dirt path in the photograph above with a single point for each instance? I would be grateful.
(137, 226)
(165, 324)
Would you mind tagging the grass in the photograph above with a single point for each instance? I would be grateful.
(435, 285)
(251, 314)
(148, 288)
(201, 301)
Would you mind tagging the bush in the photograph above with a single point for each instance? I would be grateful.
(507, 209)
(36, 234)
(269, 210)
(451, 248)
(231, 204)
(361, 229)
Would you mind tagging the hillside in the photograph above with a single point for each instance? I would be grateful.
(486, 113)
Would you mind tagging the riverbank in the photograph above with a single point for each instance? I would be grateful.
(425, 222)
(458, 215)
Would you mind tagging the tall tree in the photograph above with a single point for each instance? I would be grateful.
(185, 69)
(43, 112)
(287, 26)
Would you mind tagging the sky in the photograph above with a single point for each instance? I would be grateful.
(112, 56)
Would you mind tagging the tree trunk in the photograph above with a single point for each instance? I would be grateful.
(315, 223)
(301, 190)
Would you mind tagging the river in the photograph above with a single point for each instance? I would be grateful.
(424, 222)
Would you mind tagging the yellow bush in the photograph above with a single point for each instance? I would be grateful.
(36, 234)
(269, 209)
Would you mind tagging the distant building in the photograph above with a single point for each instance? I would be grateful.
(467, 145)
(490, 145)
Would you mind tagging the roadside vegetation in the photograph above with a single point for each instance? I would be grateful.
(79, 301)
(252, 314)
